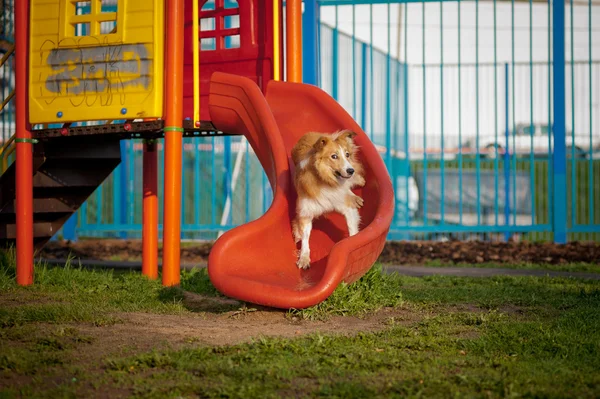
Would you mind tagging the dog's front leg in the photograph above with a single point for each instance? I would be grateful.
(304, 228)
(352, 219)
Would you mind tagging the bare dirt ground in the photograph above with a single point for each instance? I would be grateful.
(91, 347)
(398, 253)
(207, 327)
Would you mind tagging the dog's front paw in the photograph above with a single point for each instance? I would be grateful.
(303, 262)
(356, 202)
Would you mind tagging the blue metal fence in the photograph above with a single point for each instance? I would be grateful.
(486, 114)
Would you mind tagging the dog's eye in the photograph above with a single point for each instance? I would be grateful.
(334, 156)
(347, 155)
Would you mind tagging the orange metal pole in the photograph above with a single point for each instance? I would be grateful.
(150, 212)
(293, 9)
(24, 161)
(173, 144)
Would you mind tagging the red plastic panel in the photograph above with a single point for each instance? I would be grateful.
(256, 262)
(252, 59)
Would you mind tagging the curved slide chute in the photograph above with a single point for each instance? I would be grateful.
(256, 262)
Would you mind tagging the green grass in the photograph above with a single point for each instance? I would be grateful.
(446, 336)
(372, 292)
(79, 295)
(565, 267)
(526, 337)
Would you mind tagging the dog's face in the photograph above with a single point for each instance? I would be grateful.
(335, 157)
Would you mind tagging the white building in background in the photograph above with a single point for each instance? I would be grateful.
(483, 111)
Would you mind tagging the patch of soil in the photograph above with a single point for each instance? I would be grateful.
(144, 331)
(88, 347)
(394, 252)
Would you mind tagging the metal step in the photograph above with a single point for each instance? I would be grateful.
(66, 172)
(40, 230)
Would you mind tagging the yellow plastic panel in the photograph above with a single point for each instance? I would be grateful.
(88, 62)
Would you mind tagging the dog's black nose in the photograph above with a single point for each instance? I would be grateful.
(350, 171)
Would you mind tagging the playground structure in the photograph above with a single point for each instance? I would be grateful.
(64, 77)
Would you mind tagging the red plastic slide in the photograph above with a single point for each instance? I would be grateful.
(256, 262)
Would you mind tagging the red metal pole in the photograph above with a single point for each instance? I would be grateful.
(294, 40)
(24, 161)
(150, 212)
(173, 144)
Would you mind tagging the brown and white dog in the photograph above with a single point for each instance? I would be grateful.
(326, 170)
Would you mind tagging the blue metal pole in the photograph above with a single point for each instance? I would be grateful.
(371, 81)
(69, 227)
(131, 195)
(405, 106)
(334, 63)
(310, 42)
(247, 177)
(590, 160)
(183, 180)
(197, 182)
(388, 96)
(559, 161)
(443, 166)
(123, 183)
(213, 184)
(363, 90)
(506, 154)
(354, 115)
(227, 177)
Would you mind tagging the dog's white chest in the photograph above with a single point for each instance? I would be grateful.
(329, 199)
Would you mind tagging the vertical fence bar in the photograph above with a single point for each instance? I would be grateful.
(406, 147)
(310, 43)
(183, 184)
(559, 158)
(506, 153)
(334, 62)
(531, 124)
(388, 94)
(227, 193)
(213, 183)
(263, 186)
(363, 85)
(83, 221)
(460, 147)
(70, 227)
(532, 127)
(550, 131)
(496, 142)
(116, 178)
(425, 218)
(573, 182)
(394, 171)
(131, 194)
(477, 154)
(247, 180)
(354, 61)
(591, 219)
(514, 155)
(123, 183)
(99, 204)
(197, 182)
(443, 201)
(371, 79)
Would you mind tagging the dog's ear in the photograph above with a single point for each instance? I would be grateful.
(321, 142)
(346, 134)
